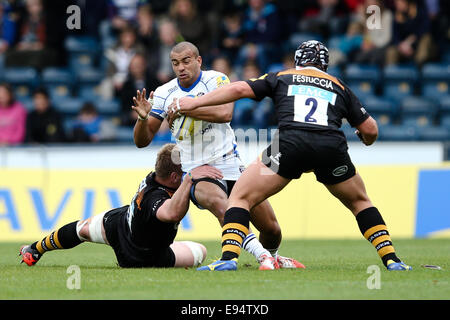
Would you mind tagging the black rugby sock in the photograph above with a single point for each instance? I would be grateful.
(234, 231)
(65, 237)
(373, 228)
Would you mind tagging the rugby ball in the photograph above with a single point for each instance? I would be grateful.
(182, 127)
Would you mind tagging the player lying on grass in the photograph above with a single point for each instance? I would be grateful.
(310, 106)
(212, 141)
(142, 234)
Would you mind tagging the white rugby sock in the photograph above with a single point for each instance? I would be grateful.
(252, 245)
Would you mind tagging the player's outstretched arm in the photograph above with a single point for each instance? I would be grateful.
(146, 126)
(226, 94)
(174, 209)
(367, 131)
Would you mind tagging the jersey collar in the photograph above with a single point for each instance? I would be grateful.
(192, 85)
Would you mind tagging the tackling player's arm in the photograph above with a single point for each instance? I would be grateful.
(223, 95)
(146, 126)
(175, 208)
(218, 114)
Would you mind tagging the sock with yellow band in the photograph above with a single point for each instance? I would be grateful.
(234, 231)
(65, 237)
(373, 228)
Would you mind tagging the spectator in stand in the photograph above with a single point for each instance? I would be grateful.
(8, 28)
(32, 48)
(168, 37)
(91, 127)
(323, 17)
(139, 77)
(376, 40)
(12, 117)
(147, 35)
(231, 36)
(44, 124)
(122, 13)
(262, 33)
(120, 56)
(411, 40)
(248, 112)
(192, 27)
(222, 64)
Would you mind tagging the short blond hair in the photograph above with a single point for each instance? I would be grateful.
(168, 161)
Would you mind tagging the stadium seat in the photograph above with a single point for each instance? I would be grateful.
(381, 109)
(419, 121)
(52, 76)
(297, 38)
(82, 60)
(89, 76)
(436, 71)
(362, 79)
(435, 80)
(21, 76)
(81, 44)
(107, 107)
(418, 106)
(398, 133)
(335, 71)
(349, 132)
(89, 92)
(445, 121)
(400, 73)
(124, 134)
(68, 106)
(59, 91)
(434, 133)
(444, 105)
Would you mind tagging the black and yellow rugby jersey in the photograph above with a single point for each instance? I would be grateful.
(310, 99)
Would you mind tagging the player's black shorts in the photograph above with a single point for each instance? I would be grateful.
(225, 185)
(295, 151)
(129, 255)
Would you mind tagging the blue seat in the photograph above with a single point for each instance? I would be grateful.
(297, 38)
(362, 90)
(90, 76)
(418, 120)
(23, 91)
(335, 71)
(52, 76)
(397, 91)
(434, 133)
(21, 76)
(435, 89)
(400, 73)
(81, 44)
(108, 107)
(445, 121)
(444, 105)
(398, 133)
(83, 60)
(89, 92)
(418, 106)
(68, 106)
(436, 71)
(59, 91)
(382, 110)
(124, 134)
(358, 72)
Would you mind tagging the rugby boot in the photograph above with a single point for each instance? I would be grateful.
(267, 262)
(220, 265)
(397, 266)
(29, 255)
(289, 263)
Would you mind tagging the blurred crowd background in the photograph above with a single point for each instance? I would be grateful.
(63, 85)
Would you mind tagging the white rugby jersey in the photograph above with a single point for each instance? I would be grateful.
(209, 142)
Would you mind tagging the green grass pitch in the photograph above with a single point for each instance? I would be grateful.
(335, 270)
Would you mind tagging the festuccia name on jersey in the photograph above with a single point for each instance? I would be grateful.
(318, 81)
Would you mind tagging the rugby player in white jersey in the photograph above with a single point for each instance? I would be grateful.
(211, 140)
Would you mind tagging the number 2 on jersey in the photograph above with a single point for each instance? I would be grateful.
(311, 104)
